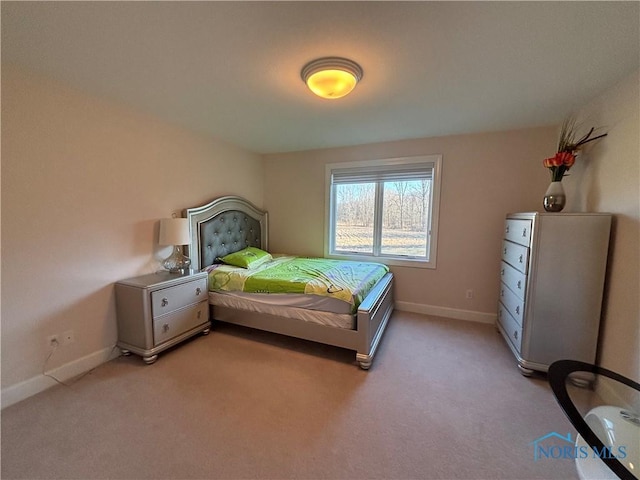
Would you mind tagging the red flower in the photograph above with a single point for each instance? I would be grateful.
(558, 159)
(565, 158)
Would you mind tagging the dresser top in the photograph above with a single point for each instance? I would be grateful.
(557, 214)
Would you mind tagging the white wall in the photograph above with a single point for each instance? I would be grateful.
(607, 179)
(84, 183)
(484, 177)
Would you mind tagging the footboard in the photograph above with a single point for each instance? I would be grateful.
(373, 314)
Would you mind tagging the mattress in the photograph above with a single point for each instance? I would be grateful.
(252, 303)
(295, 300)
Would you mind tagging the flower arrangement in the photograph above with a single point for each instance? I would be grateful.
(568, 147)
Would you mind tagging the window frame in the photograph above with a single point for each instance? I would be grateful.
(432, 227)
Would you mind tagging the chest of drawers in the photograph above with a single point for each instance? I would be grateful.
(159, 310)
(552, 274)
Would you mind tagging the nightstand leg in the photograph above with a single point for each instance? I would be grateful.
(150, 360)
(124, 352)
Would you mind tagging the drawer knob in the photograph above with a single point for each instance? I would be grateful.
(198, 291)
(505, 250)
(165, 302)
(524, 232)
(520, 258)
(520, 284)
(506, 230)
(502, 272)
(502, 292)
(518, 309)
(515, 334)
(165, 328)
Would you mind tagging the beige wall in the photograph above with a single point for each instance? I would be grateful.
(607, 179)
(484, 177)
(84, 183)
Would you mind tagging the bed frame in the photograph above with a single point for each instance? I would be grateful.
(231, 223)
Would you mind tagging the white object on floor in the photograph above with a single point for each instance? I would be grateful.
(616, 427)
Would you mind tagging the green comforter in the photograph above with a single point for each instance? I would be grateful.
(344, 280)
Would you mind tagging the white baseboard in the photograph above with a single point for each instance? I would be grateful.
(456, 313)
(39, 383)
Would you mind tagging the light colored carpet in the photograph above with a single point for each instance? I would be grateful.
(443, 399)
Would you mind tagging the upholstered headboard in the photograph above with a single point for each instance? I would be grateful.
(224, 226)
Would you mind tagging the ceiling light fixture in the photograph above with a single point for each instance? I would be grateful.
(331, 77)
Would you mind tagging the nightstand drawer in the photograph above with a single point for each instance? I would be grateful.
(168, 326)
(512, 278)
(518, 231)
(173, 298)
(513, 304)
(515, 255)
(510, 327)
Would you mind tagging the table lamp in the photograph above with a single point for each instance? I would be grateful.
(175, 231)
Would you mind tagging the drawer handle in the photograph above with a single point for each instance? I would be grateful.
(505, 250)
(524, 232)
(515, 334)
(506, 230)
(165, 328)
(502, 272)
(199, 314)
(518, 309)
(519, 284)
(502, 292)
(520, 258)
(198, 291)
(165, 302)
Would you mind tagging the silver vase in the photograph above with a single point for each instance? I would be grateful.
(554, 198)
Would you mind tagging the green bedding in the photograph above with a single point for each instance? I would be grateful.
(344, 280)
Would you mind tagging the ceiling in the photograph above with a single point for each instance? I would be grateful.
(232, 69)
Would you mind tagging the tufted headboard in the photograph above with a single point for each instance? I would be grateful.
(224, 226)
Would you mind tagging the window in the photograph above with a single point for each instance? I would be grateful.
(384, 210)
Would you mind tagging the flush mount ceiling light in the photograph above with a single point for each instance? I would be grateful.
(331, 77)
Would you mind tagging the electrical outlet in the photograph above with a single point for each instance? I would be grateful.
(53, 341)
(469, 294)
(68, 337)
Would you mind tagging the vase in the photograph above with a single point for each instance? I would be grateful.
(554, 198)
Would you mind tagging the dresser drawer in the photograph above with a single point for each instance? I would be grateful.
(172, 298)
(518, 231)
(513, 304)
(512, 278)
(510, 327)
(515, 255)
(168, 326)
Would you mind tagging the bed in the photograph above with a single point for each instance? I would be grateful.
(230, 224)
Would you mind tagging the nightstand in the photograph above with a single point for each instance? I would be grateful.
(159, 310)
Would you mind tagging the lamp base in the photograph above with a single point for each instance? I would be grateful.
(176, 262)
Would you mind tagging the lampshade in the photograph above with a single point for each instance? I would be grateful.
(174, 231)
(331, 77)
